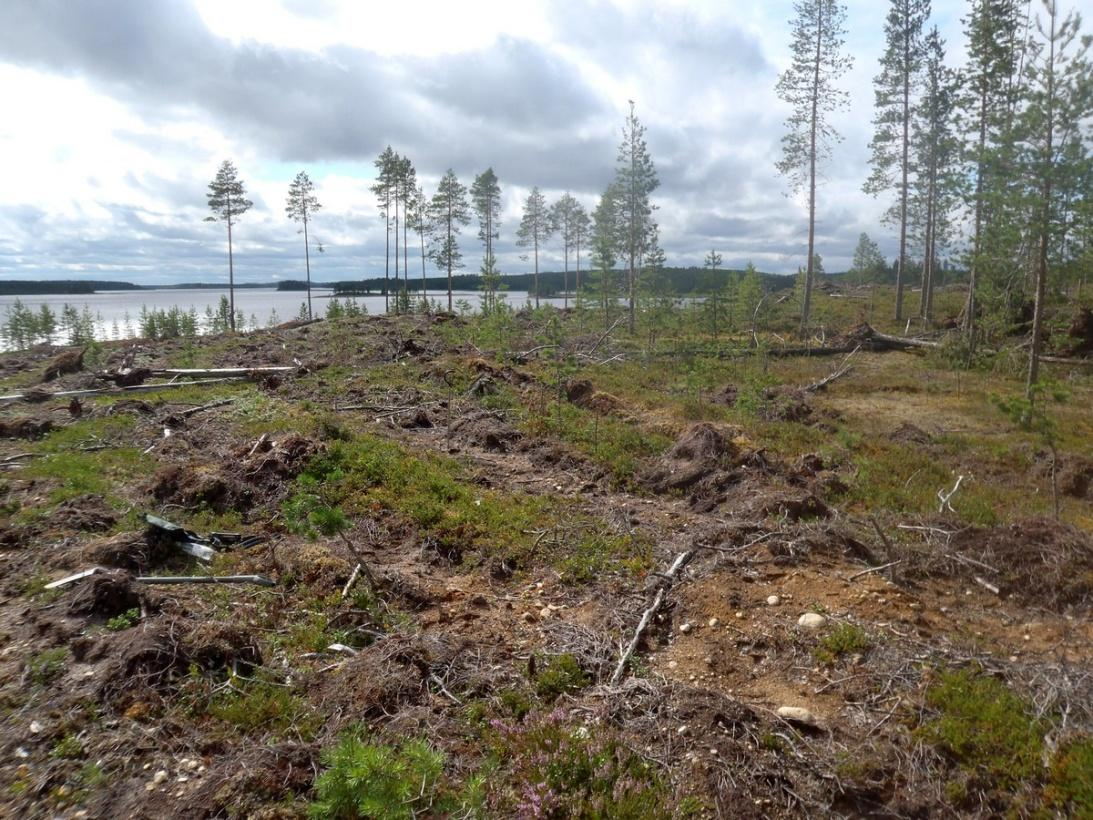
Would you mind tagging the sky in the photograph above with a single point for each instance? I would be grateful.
(117, 114)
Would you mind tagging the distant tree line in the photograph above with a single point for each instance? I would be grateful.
(63, 287)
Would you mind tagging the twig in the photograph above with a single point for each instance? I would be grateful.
(945, 496)
(352, 580)
(987, 585)
(874, 569)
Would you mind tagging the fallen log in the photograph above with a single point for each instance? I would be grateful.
(40, 395)
(221, 371)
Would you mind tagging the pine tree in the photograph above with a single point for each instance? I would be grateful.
(1059, 103)
(228, 201)
(986, 106)
(712, 262)
(868, 260)
(448, 211)
(421, 221)
(535, 228)
(809, 86)
(486, 201)
(935, 146)
(891, 145)
(405, 186)
(635, 180)
(302, 204)
(384, 189)
(565, 220)
(581, 226)
(606, 235)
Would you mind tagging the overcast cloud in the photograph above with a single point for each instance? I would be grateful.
(118, 112)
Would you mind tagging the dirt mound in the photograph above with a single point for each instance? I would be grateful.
(1076, 477)
(386, 676)
(486, 429)
(70, 361)
(87, 513)
(418, 420)
(1036, 560)
(698, 453)
(136, 406)
(1081, 330)
(24, 428)
(281, 458)
(127, 550)
(582, 393)
(908, 433)
(319, 568)
(104, 595)
(217, 645)
(245, 784)
(726, 395)
(785, 404)
(196, 485)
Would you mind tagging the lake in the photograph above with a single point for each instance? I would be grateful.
(117, 313)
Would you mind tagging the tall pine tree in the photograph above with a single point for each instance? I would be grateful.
(384, 190)
(228, 201)
(635, 181)
(534, 229)
(301, 206)
(986, 109)
(448, 211)
(895, 86)
(565, 221)
(1053, 124)
(809, 86)
(486, 201)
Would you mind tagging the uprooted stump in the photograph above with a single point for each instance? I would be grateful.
(1081, 331)
(127, 550)
(1076, 477)
(699, 452)
(69, 361)
(582, 393)
(197, 485)
(24, 428)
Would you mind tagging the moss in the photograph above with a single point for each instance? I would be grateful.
(845, 639)
(47, 666)
(985, 728)
(561, 675)
(1070, 783)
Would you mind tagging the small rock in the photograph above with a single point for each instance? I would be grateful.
(796, 714)
(856, 659)
(740, 615)
(709, 661)
(713, 752)
(546, 612)
(22, 753)
(1013, 659)
(672, 664)
(35, 727)
(714, 622)
(811, 620)
(1027, 637)
(160, 776)
(682, 730)
(149, 787)
(773, 600)
(685, 628)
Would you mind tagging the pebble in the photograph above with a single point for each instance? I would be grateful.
(673, 664)
(545, 612)
(811, 620)
(1027, 637)
(685, 628)
(714, 622)
(35, 727)
(682, 730)
(739, 614)
(22, 753)
(709, 660)
(160, 776)
(773, 600)
(797, 715)
(713, 752)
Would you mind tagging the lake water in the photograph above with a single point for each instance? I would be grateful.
(117, 313)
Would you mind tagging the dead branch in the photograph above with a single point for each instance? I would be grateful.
(844, 368)
(38, 396)
(669, 577)
(874, 569)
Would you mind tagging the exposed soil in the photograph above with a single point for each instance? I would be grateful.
(234, 691)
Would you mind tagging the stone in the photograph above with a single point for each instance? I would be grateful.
(811, 620)
(797, 714)
(160, 776)
(773, 600)
(672, 664)
(685, 628)
(714, 622)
